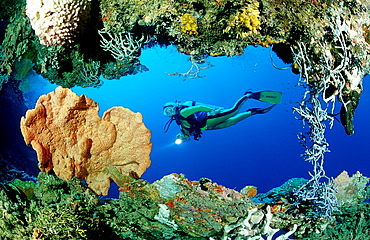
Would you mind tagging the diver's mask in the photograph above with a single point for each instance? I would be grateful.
(170, 108)
(169, 111)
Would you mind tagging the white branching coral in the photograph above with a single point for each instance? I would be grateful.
(198, 63)
(57, 22)
(90, 74)
(122, 45)
(311, 111)
(332, 67)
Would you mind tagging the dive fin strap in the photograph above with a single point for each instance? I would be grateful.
(268, 96)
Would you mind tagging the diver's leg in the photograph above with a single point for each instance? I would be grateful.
(227, 113)
(260, 110)
(231, 121)
(241, 116)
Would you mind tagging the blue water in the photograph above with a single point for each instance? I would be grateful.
(262, 150)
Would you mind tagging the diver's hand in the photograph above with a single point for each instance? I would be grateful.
(180, 138)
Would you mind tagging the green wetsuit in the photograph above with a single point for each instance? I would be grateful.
(216, 118)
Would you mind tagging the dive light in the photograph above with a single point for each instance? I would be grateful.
(180, 139)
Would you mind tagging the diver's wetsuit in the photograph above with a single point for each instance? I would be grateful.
(194, 117)
(228, 117)
(192, 126)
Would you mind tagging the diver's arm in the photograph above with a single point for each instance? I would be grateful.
(184, 134)
(186, 112)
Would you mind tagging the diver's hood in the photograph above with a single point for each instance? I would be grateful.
(169, 104)
(175, 104)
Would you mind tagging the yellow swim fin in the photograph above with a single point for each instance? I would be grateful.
(267, 96)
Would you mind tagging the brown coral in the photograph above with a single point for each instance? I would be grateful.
(72, 140)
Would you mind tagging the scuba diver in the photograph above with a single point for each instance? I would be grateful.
(193, 117)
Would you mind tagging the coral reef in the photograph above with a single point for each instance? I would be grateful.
(73, 141)
(50, 209)
(18, 38)
(351, 223)
(245, 21)
(170, 208)
(331, 64)
(3, 75)
(285, 191)
(9, 7)
(80, 63)
(335, 35)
